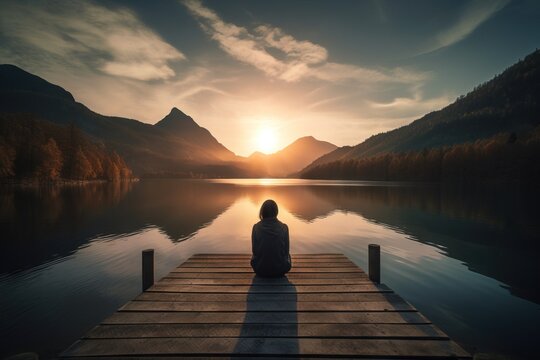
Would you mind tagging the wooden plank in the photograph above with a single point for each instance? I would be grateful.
(250, 275)
(266, 346)
(266, 306)
(194, 317)
(294, 258)
(246, 264)
(365, 331)
(223, 357)
(220, 357)
(293, 270)
(264, 281)
(247, 260)
(246, 255)
(241, 289)
(321, 297)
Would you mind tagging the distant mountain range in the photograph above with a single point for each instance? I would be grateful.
(174, 146)
(509, 103)
(178, 146)
(290, 159)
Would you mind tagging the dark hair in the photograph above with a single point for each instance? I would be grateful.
(269, 209)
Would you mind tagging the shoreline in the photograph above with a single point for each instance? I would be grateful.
(60, 182)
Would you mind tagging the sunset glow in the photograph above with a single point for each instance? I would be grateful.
(266, 141)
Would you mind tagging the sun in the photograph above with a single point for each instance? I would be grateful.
(266, 140)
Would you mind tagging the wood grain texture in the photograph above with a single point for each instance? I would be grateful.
(266, 346)
(366, 331)
(349, 269)
(251, 275)
(278, 289)
(267, 282)
(247, 260)
(320, 297)
(329, 317)
(246, 264)
(243, 306)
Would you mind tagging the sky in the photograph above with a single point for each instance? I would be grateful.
(260, 74)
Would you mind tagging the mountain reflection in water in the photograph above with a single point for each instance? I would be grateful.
(446, 250)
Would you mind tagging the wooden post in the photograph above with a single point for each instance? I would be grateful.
(374, 263)
(147, 268)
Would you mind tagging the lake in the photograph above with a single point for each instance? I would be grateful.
(466, 258)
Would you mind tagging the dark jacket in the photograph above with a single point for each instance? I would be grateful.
(270, 247)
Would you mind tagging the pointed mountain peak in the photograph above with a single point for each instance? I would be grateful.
(177, 120)
(177, 113)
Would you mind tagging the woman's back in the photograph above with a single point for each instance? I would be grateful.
(270, 245)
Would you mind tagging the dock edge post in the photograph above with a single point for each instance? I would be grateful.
(147, 268)
(374, 261)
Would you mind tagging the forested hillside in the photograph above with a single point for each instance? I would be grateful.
(508, 103)
(490, 133)
(38, 150)
(502, 158)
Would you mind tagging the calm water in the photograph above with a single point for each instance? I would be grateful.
(469, 260)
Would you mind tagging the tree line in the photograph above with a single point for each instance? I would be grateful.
(34, 149)
(504, 157)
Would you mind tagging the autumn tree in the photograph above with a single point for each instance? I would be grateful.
(112, 173)
(50, 161)
(82, 169)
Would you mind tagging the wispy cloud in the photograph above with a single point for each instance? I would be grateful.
(115, 42)
(407, 107)
(300, 58)
(475, 13)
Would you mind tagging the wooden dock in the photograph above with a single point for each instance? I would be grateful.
(212, 306)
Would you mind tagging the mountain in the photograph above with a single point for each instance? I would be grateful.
(290, 159)
(509, 103)
(183, 127)
(176, 145)
(14, 79)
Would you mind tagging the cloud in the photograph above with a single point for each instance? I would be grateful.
(115, 42)
(303, 51)
(476, 13)
(409, 107)
(301, 59)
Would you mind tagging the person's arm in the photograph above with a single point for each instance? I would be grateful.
(253, 240)
(287, 246)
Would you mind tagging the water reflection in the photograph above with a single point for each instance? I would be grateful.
(40, 224)
(484, 231)
(446, 250)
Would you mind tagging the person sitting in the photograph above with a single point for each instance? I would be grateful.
(270, 243)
